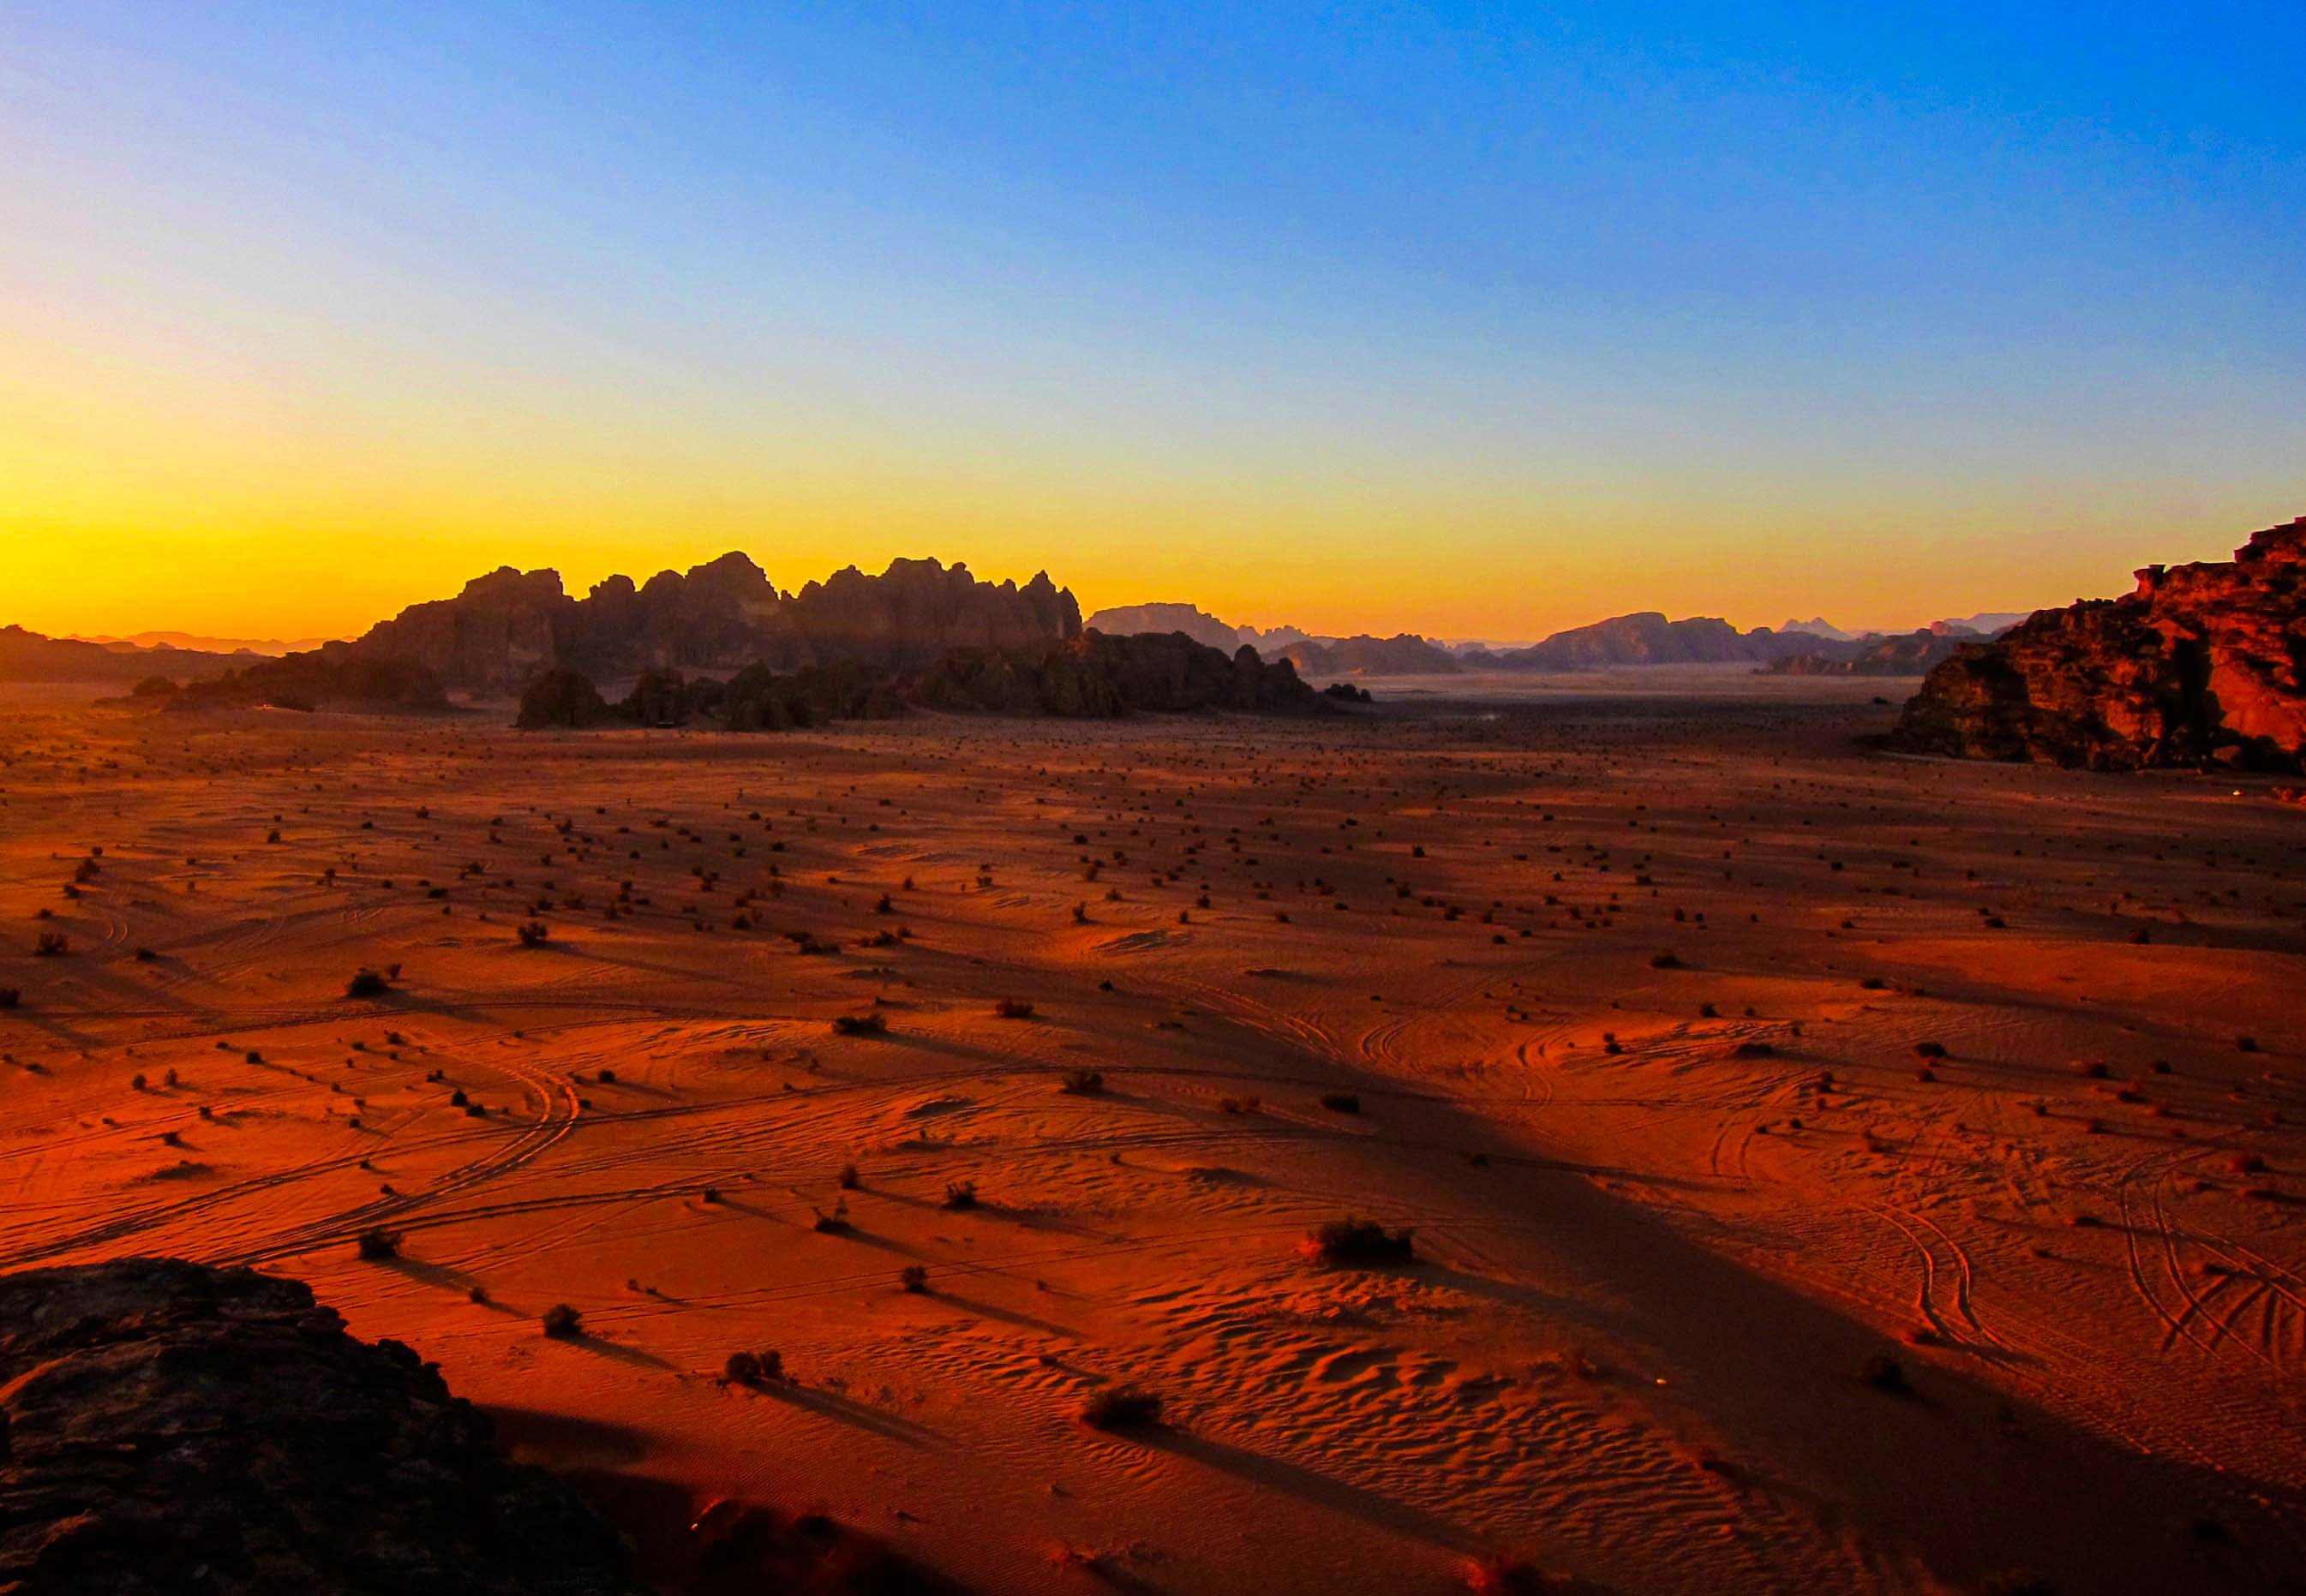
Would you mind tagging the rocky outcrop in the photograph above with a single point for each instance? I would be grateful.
(561, 698)
(2202, 662)
(1403, 655)
(1911, 655)
(1091, 675)
(1095, 674)
(322, 681)
(1128, 621)
(175, 1428)
(1649, 638)
(508, 629)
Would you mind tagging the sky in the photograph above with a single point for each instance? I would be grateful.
(1472, 321)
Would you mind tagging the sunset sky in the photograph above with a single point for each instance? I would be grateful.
(1470, 321)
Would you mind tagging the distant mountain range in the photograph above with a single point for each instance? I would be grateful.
(1645, 638)
(194, 643)
(507, 629)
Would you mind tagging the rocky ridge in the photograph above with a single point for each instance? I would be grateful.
(2203, 661)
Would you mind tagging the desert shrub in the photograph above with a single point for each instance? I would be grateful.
(1342, 1101)
(1355, 1241)
(914, 1278)
(562, 1320)
(10, 997)
(1238, 1104)
(534, 934)
(367, 983)
(2246, 1044)
(1665, 958)
(377, 1243)
(1929, 1050)
(858, 1025)
(1082, 1083)
(850, 1179)
(1885, 1373)
(1013, 1008)
(51, 944)
(753, 1369)
(960, 1194)
(1126, 1406)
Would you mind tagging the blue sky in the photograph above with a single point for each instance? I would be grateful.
(1513, 316)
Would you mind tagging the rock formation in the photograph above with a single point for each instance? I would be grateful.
(1911, 655)
(509, 627)
(1091, 675)
(173, 1427)
(322, 681)
(29, 656)
(1403, 655)
(2202, 662)
(1129, 620)
(561, 698)
(1649, 638)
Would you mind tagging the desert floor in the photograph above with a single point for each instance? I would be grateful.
(1640, 996)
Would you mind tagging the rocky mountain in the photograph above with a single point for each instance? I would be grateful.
(1910, 654)
(171, 1427)
(29, 656)
(1091, 675)
(2201, 662)
(507, 628)
(1819, 627)
(312, 681)
(1649, 638)
(272, 647)
(1399, 655)
(1129, 620)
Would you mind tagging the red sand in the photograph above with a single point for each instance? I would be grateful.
(1649, 1272)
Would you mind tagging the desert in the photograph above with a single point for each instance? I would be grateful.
(1821, 1168)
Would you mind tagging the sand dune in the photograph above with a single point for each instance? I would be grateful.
(1707, 1055)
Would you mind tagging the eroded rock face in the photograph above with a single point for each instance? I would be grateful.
(2202, 662)
(1091, 675)
(510, 627)
(172, 1427)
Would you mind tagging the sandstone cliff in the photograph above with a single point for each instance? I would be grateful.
(1091, 675)
(2202, 662)
(173, 1427)
(508, 628)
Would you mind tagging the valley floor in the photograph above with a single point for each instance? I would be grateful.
(1708, 1054)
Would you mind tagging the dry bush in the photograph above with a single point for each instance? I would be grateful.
(534, 934)
(367, 983)
(1355, 1241)
(1342, 1101)
(377, 1243)
(1126, 1406)
(51, 944)
(562, 1321)
(1082, 1083)
(1013, 1008)
(960, 1194)
(860, 1024)
(914, 1278)
(754, 1369)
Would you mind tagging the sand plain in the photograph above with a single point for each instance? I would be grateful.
(1710, 1054)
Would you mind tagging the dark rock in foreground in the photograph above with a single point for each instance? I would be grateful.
(173, 1427)
(2203, 661)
